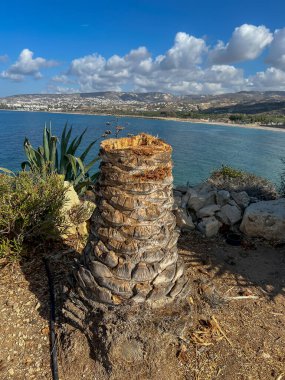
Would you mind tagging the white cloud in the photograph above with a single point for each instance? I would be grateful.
(276, 54)
(187, 51)
(189, 66)
(26, 65)
(247, 43)
(271, 79)
(179, 71)
(62, 78)
(52, 89)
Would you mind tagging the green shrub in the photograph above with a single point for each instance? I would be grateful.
(29, 210)
(229, 172)
(232, 179)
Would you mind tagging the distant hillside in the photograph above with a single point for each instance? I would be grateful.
(146, 97)
(152, 103)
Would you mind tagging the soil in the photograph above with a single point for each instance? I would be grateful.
(232, 326)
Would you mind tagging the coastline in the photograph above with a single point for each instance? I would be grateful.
(188, 120)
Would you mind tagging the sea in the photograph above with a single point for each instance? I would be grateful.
(198, 148)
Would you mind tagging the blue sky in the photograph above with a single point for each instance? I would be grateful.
(169, 46)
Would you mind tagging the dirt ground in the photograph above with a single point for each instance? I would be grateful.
(235, 326)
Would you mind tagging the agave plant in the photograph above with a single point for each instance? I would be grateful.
(59, 156)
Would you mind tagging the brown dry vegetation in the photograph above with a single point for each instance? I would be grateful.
(142, 144)
(236, 328)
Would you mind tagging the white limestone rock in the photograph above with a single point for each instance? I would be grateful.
(204, 188)
(209, 226)
(229, 214)
(242, 199)
(265, 219)
(75, 212)
(185, 198)
(208, 211)
(222, 198)
(196, 202)
(183, 220)
(181, 188)
(177, 202)
(222, 218)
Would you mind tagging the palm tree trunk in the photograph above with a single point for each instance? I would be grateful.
(132, 249)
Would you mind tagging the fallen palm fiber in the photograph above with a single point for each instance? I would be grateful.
(131, 253)
(209, 333)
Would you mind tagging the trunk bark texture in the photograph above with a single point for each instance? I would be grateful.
(131, 253)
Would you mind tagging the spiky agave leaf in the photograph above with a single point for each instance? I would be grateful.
(49, 158)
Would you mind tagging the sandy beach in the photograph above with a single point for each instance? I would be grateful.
(204, 121)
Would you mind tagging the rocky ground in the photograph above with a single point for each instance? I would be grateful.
(231, 327)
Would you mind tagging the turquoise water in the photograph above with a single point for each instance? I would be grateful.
(197, 148)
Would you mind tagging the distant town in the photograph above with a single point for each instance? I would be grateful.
(247, 106)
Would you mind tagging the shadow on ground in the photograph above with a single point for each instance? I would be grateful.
(255, 263)
(62, 261)
(84, 341)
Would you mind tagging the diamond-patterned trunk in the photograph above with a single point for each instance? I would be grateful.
(132, 249)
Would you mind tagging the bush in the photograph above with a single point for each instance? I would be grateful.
(29, 210)
(232, 179)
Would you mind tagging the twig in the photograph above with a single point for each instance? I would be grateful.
(242, 297)
(229, 289)
(221, 331)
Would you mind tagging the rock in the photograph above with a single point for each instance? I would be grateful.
(196, 202)
(183, 220)
(71, 197)
(81, 229)
(87, 207)
(184, 200)
(265, 219)
(191, 192)
(177, 202)
(204, 188)
(242, 199)
(222, 218)
(222, 197)
(232, 203)
(75, 213)
(229, 214)
(181, 188)
(208, 211)
(209, 226)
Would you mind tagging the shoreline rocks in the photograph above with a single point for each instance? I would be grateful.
(265, 219)
(207, 208)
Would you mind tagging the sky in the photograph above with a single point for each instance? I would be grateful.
(174, 46)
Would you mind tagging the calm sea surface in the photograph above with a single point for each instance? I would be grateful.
(197, 148)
